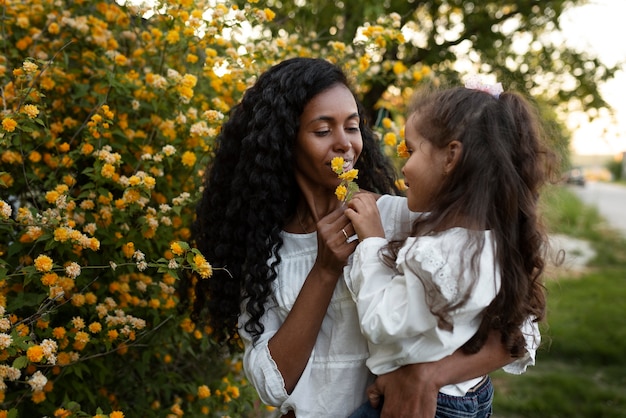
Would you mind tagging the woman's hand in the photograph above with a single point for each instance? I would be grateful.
(364, 215)
(410, 391)
(333, 248)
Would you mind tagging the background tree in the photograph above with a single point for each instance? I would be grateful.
(509, 39)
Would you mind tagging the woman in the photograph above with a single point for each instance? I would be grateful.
(270, 217)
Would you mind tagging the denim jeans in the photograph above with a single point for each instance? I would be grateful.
(475, 404)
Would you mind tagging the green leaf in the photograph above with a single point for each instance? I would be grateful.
(20, 363)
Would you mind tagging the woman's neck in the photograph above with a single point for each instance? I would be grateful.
(309, 211)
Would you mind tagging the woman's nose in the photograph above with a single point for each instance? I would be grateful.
(342, 141)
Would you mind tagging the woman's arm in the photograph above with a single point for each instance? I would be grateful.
(292, 344)
(411, 391)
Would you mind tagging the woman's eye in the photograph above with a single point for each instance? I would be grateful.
(324, 132)
(353, 129)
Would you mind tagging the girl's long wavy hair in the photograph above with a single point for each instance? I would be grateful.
(250, 191)
(496, 184)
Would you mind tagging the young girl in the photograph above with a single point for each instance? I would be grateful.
(475, 256)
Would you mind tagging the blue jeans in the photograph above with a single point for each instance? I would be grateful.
(475, 404)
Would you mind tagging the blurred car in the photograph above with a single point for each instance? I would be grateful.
(575, 176)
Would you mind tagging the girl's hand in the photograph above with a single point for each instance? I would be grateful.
(363, 213)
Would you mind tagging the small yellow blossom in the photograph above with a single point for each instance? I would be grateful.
(341, 192)
(269, 14)
(390, 139)
(108, 170)
(176, 248)
(43, 263)
(34, 353)
(347, 187)
(403, 151)
(204, 392)
(95, 327)
(31, 110)
(5, 210)
(337, 164)
(188, 159)
(9, 124)
(203, 267)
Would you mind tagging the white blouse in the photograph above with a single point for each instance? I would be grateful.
(392, 308)
(334, 380)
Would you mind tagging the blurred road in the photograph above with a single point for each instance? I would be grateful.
(608, 198)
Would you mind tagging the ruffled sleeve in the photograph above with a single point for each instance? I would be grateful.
(258, 364)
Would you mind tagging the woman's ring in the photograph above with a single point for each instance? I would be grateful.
(345, 234)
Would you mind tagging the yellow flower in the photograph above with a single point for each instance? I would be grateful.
(116, 414)
(337, 164)
(30, 67)
(269, 14)
(202, 266)
(9, 124)
(347, 187)
(400, 184)
(43, 263)
(176, 248)
(341, 192)
(349, 175)
(204, 392)
(31, 110)
(5, 210)
(49, 279)
(107, 170)
(390, 139)
(403, 151)
(58, 333)
(34, 353)
(188, 159)
(399, 68)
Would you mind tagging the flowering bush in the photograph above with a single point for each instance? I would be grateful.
(108, 119)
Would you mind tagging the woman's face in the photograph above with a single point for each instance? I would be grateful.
(329, 127)
(424, 170)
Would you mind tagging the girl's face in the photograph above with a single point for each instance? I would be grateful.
(329, 127)
(424, 170)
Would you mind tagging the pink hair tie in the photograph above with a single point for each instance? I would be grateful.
(475, 82)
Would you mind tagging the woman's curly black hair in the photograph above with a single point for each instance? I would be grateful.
(250, 191)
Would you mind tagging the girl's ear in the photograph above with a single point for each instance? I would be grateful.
(453, 155)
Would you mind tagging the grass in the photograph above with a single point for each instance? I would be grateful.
(581, 366)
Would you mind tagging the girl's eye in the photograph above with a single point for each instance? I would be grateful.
(324, 132)
(353, 129)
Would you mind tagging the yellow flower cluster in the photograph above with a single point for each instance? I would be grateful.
(105, 129)
(346, 189)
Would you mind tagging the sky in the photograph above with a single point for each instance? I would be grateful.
(600, 27)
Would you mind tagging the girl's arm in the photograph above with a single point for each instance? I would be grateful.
(411, 391)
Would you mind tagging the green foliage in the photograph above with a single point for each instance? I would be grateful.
(580, 365)
(616, 168)
(508, 39)
(109, 120)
